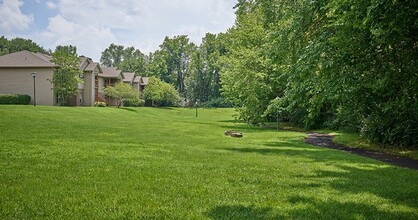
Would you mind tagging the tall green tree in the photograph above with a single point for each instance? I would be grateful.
(126, 59)
(112, 56)
(172, 61)
(203, 83)
(133, 61)
(66, 74)
(342, 64)
(19, 44)
(249, 78)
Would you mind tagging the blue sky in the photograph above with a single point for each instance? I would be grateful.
(93, 25)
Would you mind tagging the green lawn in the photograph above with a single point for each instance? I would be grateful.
(106, 163)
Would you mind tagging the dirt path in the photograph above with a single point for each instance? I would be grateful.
(325, 140)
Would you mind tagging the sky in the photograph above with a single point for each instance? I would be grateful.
(93, 25)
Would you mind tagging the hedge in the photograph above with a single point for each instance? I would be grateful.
(14, 99)
(133, 103)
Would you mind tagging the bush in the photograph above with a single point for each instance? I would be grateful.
(161, 93)
(100, 104)
(14, 99)
(219, 102)
(134, 103)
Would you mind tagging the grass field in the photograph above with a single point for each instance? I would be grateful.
(106, 163)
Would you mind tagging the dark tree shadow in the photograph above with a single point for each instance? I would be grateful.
(313, 208)
(239, 212)
(302, 207)
(129, 109)
(350, 174)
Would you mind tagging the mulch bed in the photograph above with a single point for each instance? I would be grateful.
(325, 140)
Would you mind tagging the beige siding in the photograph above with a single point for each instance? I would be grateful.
(88, 95)
(20, 81)
(101, 88)
(135, 86)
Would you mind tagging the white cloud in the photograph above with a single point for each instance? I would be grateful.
(90, 40)
(12, 19)
(93, 25)
(51, 5)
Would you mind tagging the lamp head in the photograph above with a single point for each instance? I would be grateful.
(33, 74)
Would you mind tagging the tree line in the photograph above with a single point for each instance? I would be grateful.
(193, 70)
(349, 65)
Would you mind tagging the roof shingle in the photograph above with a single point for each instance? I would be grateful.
(25, 58)
(110, 72)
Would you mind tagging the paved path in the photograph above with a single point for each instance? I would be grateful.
(325, 140)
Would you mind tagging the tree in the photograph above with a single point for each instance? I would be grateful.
(161, 93)
(203, 82)
(133, 61)
(19, 44)
(171, 62)
(112, 56)
(340, 64)
(248, 76)
(126, 59)
(65, 78)
(122, 92)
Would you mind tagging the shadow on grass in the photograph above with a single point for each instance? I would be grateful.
(245, 128)
(129, 109)
(239, 212)
(312, 208)
(398, 185)
(309, 208)
(165, 108)
(349, 174)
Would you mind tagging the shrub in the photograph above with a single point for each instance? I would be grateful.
(219, 102)
(14, 99)
(99, 104)
(161, 93)
(134, 103)
(122, 92)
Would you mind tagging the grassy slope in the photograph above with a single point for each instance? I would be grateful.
(164, 163)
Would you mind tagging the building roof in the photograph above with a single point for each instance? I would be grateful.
(128, 77)
(83, 59)
(26, 59)
(144, 80)
(91, 66)
(137, 79)
(110, 72)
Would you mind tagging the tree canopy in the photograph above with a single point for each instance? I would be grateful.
(122, 92)
(341, 64)
(126, 59)
(66, 74)
(161, 93)
(18, 44)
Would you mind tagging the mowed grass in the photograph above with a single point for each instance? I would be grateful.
(147, 163)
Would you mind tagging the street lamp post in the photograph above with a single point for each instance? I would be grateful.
(196, 104)
(34, 88)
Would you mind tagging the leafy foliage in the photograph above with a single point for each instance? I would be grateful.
(66, 74)
(14, 99)
(126, 59)
(161, 93)
(19, 44)
(122, 92)
(134, 102)
(341, 64)
(203, 83)
(248, 76)
(171, 62)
